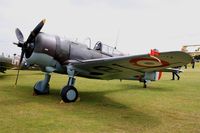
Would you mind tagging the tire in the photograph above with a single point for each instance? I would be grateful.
(37, 92)
(69, 94)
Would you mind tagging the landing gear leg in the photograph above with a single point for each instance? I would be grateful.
(42, 86)
(69, 92)
(145, 84)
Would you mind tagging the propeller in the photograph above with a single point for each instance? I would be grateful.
(19, 35)
(25, 46)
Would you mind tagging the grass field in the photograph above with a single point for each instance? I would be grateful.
(105, 106)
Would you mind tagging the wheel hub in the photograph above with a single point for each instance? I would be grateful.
(71, 95)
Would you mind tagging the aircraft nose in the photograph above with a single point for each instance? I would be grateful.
(53, 46)
(45, 44)
(29, 49)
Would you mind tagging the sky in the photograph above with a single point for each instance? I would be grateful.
(137, 25)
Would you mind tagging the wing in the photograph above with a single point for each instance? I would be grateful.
(5, 64)
(125, 67)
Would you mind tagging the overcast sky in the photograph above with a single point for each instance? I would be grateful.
(141, 24)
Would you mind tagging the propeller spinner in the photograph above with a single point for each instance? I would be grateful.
(26, 46)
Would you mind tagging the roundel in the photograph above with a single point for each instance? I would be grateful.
(148, 62)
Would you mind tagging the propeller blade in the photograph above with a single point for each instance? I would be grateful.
(15, 43)
(24, 45)
(19, 35)
(21, 58)
(20, 61)
(17, 77)
(35, 31)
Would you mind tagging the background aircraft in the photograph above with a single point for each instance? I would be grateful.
(13, 63)
(193, 50)
(5, 63)
(56, 54)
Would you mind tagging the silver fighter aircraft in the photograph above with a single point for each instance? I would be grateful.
(59, 55)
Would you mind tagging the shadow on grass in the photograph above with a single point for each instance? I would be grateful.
(149, 87)
(21, 73)
(98, 98)
(96, 102)
(99, 102)
(2, 76)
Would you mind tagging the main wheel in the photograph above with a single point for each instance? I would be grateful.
(69, 94)
(40, 90)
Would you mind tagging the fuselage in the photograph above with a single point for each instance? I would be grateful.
(53, 53)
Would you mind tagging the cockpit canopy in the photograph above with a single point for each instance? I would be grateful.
(108, 50)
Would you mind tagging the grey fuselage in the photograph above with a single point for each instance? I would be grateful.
(53, 53)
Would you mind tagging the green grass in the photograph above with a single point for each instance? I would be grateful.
(105, 106)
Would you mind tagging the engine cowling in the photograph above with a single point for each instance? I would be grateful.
(152, 76)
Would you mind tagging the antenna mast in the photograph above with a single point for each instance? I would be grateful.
(117, 39)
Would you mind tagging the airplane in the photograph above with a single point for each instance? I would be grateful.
(12, 63)
(56, 54)
(194, 52)
(5, 63)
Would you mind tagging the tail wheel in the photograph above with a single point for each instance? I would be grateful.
(69, 94)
